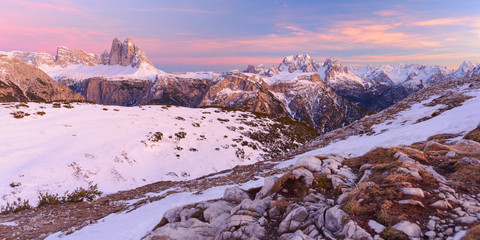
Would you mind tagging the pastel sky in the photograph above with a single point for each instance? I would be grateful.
(220, 35)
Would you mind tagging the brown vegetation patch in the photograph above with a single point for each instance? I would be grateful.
(474, 134)
(473, 233)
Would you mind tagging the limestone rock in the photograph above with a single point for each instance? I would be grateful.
(293, 220)
(466, 220)
(311, 163)
(375, 226)
(235, 194)
(351, 230)
(126, 54)
(302, 172)
(190, 230)
(333, 218)
(441, 204)
(411, 229)
(216, 209)
(267, 187)
(297, 235)
(411, 202)
(413, 192)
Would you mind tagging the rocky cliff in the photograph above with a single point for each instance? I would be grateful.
(125, 54)
(23, 82)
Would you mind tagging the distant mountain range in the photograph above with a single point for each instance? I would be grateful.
(325, 96)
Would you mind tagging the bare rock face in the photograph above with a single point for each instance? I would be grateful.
(66, 57)
(23, 82)
(300, 62)
(120, 92)
(312, 102)
(244, 93)
(179, 91)
(125, 54)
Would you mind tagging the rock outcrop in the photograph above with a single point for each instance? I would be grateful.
(67, 57)
(125, 54)
(323, 197)
(23, 82)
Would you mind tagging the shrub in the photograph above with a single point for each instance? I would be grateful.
(45, 199)
(56, 105)
(382, 215)
(15, 184)
(20, 114)
(353, 207)
(156, 137)
(393, 234)
(474, 135)
(80, 194)
(15, 207)
(41, 113)
(180, 135)
(473, 233)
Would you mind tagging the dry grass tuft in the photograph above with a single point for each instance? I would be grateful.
(474, 134)
(473, 233)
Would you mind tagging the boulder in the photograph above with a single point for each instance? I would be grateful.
(412, 191)
(311, 163)
(441, 204)
(267, 187)
(375, 226)
(298, 235)
(333, 218)
(216, 209)
(235, 194)
(302, 172)
(240, 220)
(411, 229)
(411, 202)
(351, 230)
(466, 220)
(293, 220)
(190, 230)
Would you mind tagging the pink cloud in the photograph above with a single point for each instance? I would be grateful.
(38, 5)
(441, 21)
(230, 60)
(183, 10)
(386, 13)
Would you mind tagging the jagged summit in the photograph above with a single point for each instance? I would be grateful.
(299, 62)
(66, 57)
(125, 54)
(466, 69)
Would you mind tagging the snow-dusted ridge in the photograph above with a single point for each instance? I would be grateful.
(79, 72)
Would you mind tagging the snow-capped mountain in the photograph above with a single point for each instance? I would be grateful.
(371, 87)
(124, 61)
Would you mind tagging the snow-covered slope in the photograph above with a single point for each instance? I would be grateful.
(80, 72)
(54, 147)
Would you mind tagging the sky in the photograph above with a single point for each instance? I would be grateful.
(221, 35)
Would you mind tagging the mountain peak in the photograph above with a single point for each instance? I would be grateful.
(299, 62)
(65, 56)
(125, 54)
